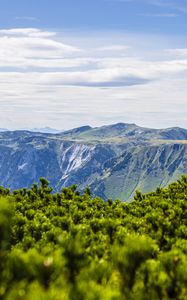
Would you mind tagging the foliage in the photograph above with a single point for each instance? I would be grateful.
(67, 246)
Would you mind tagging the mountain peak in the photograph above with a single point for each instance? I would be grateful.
(122, 125)
(45, 130)
(77, 130)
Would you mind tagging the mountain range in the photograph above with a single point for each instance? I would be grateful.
(114, 160)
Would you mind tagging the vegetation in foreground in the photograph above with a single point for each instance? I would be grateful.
(70, 246)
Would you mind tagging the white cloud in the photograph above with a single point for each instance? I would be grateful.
(29, 32)
(29, 47)
(113, 48)
(45, 81)
(26, 18)
(182, 52)
(174, 4)
(170, 4)
(160, 15)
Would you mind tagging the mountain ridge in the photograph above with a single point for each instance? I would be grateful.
(112, 159)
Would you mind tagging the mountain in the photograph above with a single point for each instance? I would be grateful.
(3, 129)
(141, 168)
(45, 130)
(113, 160)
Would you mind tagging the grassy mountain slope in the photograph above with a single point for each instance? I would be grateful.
(141, 168)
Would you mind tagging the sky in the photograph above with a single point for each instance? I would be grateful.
(68, 63)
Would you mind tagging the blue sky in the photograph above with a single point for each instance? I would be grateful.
(67, 63)
(158, 16)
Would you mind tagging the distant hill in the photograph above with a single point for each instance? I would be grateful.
(3, 129)
(114, 160)
(45, 130)
(125, 131)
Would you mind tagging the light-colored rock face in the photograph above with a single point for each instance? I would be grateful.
(113, 160)
(73, 157)
(61, 162)
(22, 166)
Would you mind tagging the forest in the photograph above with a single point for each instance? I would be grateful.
(72, 246)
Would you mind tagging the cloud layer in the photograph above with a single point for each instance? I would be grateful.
(46, 81)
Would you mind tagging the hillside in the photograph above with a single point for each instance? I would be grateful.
(98, 157)
(141, 168)
(75, 247)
